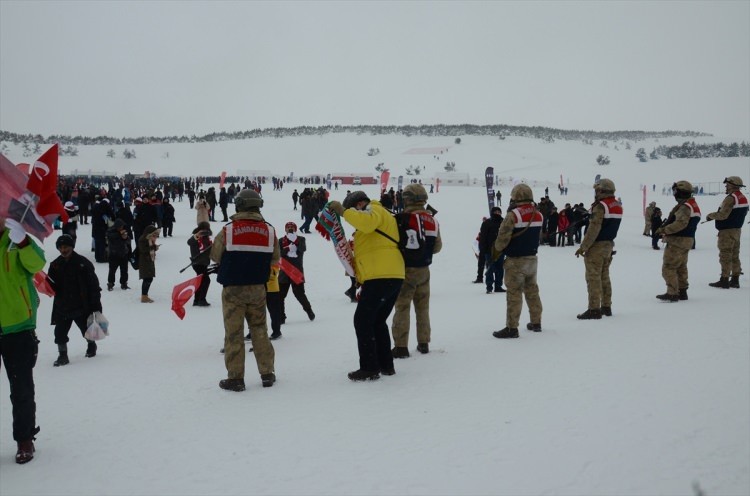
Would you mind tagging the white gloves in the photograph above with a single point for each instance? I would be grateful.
(17, 232)
(292, 251)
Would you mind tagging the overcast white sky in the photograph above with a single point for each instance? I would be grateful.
(170, 68)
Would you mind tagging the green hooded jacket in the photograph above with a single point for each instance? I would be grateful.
(17, 292)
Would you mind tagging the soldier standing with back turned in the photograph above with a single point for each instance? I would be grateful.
(729, 220)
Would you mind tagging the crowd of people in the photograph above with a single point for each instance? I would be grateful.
(257, 267)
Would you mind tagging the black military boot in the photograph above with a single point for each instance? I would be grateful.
(590, 314)
(722, 283)
(232, 384)
(310, 314)
(62, 359)
(506, 333)
(669, 297)
(268, 379)
(400, 352)
(91, 349)
(734, 282)
(423, 348)
(607, 311)
(534, 327)
(364, 375)
(25, 451)
(683, 295)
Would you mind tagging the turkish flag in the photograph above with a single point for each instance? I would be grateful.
(182, 293)
(43, 183)
(17, 203)
(42, 284)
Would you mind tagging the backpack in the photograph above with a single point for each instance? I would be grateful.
(417, 234)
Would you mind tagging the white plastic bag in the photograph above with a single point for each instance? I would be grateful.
(98, 327)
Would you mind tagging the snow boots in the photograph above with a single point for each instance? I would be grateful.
(110, 287)
(232, 384)
(62, 359)
(534, 327)
(423, 348)
(591, 314)
(275, 335)
(91, 349)
(670, 297)
(722, 283)
(25, 451)
(364, 375)
(400, 352)
(268, 379)
(310, 314)
(390, 371)
(607, 311)
(506, 333)
(734, 282)
(146, 299)
(683, 295)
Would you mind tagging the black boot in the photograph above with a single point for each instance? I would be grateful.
(722, 283)
(275, 335)
(669, 297)
(91, 349)
(534, 327)
(607, 311)
(268, 379)
(683, 295)
(734, 282)
(591, 314)
(506, 333)
(310, 314)
(423, 348)
(25, 451)
(400, 352)
(232, 384)
(364, 375)
(62, 359)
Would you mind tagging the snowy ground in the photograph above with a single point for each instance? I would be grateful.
(650, 401)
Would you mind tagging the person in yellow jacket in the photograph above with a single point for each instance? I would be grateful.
(379, 268)
(273, 301)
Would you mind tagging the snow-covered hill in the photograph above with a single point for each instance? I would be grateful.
(649, 401)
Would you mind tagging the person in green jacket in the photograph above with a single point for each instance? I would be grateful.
(20, 259)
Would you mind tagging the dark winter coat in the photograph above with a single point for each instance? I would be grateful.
(200, 249)
(488, 233)
(119, 245)
(168, 216)
(77, 291)
(146, 254)
(285, 244)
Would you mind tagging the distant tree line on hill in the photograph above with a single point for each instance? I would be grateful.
(448, 130)
(691, 149)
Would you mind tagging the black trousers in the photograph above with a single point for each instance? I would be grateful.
(273, 303)
(18, 352)
(63, 327)
(299, 292)
(200, 294)
(114, 264)
(376, 301)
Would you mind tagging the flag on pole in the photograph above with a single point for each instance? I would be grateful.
(222, 179)
(182, 293)
(17, 203)
(43, 183)
(384, 177)
(42, 285)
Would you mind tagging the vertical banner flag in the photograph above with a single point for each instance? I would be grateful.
(182, 293)
(384, 177)
(562, 184)
(400, 183)
(644, 199)
(223, 178)
(489, 179)
(437, 185)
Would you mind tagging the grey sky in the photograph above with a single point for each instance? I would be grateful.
(171, 68)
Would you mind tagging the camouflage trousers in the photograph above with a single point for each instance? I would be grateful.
(674, 264)
(597, 261)
(729, 252)
(520, 280)
(240, 304)
(416, 288)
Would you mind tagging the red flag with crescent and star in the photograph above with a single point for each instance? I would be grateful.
(182, 293)
(43, 183)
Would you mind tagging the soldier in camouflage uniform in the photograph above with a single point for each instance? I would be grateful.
(678, 232)
(416, 287)
(518, 239)
(729, 220)
(647, 216)
(597, 247)
(246, 248)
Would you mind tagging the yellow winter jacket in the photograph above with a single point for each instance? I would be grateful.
(272, 286)
(375, 256)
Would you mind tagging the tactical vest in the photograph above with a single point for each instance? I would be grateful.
(695, 217)
(612, 218)
(737, 216)
(249, 248)
(425, 229)
(525, 239)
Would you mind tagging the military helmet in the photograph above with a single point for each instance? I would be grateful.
(734, 181)
(604, 185)
(521, 192)
(247, 199)
(414, 193)
(682, 189)
(353, 198)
